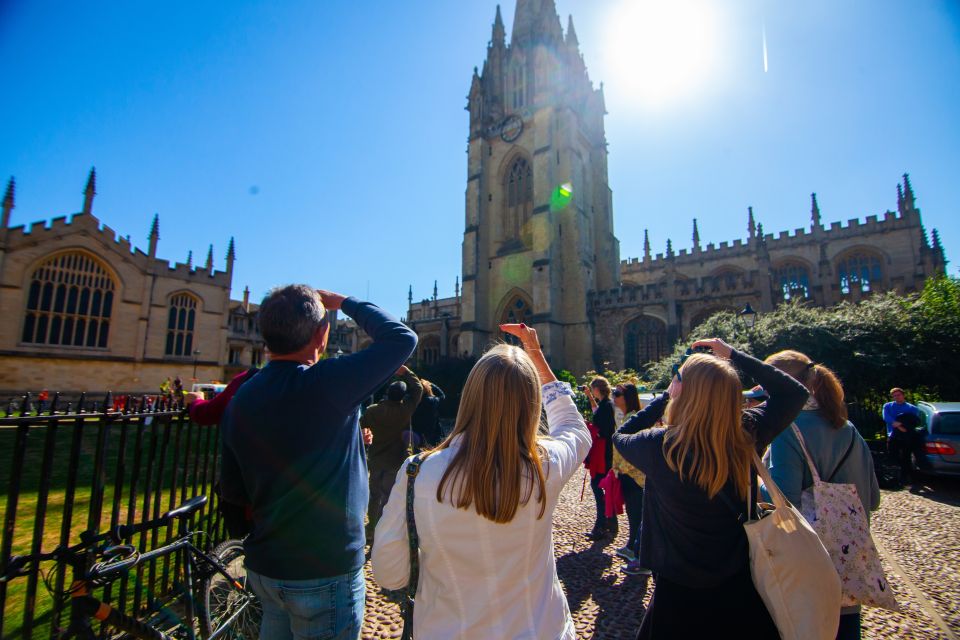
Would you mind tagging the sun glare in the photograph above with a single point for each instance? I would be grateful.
(660, 51)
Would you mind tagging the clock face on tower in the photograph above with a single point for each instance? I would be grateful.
(511, 128)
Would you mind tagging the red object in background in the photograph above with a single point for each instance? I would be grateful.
(613, 494)
(596, 461)
(209, 412)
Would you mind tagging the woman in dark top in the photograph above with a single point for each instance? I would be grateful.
(426, 418)
(604, 423)
(699, 480)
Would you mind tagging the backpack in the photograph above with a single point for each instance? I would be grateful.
(836, 513)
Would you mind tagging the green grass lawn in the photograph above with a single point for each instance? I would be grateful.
(176, 460)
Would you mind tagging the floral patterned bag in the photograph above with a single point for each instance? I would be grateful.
(836, 513)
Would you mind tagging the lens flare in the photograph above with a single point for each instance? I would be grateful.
(561, 197)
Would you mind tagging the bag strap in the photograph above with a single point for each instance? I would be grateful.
(413, 468)
(806, 454)
(853, 440)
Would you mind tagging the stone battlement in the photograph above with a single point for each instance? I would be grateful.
(630, 294)
(783, 240)
(88, 225)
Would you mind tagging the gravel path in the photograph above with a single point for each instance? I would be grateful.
(918, 529)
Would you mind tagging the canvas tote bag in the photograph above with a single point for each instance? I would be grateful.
(836, 513)
(792, 571)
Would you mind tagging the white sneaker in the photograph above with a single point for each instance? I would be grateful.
(626, 553)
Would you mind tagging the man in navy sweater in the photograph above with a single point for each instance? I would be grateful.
(292, 449)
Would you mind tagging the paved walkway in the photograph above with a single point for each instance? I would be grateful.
(918, 529)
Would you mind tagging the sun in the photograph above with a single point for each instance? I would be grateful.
(658, 52)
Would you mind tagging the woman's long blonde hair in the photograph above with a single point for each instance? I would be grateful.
(498, 462)
(819, 380)
(705, 440)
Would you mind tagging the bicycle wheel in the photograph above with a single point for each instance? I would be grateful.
(222, 600)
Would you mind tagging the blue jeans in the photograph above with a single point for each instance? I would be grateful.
(321, 608)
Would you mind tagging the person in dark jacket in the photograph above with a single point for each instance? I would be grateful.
(699, 481)
(604, 423)
(292, 449)
(426, 417)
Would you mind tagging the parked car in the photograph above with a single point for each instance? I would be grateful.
(940, 422)
(208, 389)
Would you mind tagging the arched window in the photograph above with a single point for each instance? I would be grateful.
(644, 340)
(861, 271)
(519, 187)
(430, 350)
(516, 311)
(792, 281)
(69, 302)
(181, 319)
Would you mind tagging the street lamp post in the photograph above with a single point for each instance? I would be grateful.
(196, 356)
(748, 316)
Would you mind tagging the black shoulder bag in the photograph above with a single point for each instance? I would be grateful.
(408, 601)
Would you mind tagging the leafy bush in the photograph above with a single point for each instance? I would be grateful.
(885, 341)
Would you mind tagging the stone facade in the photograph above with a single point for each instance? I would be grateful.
(538, 243)
(85, 310)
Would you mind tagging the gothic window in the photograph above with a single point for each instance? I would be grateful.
(792, 281)
(519, 198)
(430, 350)
(861, 271)
(69, 302)
(518, 86)
(516, 311)
(181, 319)
(644, 340)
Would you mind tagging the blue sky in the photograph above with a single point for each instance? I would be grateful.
(329, 138)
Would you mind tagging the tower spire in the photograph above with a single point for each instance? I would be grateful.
(154, 236)
(456, 288)
(9, 202)
(669, 248)
(814, 211)
(190, 259)
(900, 198)
(209, 266)
(646, 244)
(410, 296)
(908, 199)
(572, 41)
(751, 225)
(231, 255)
(498, 37)
(434, 290)
(90, 191)
(696, 235)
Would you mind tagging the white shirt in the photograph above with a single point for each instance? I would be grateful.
(481, 579)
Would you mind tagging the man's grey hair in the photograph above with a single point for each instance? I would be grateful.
(289, 317)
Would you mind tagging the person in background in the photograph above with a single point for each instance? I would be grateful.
(292, 449)
(627, 400)
(754, 397)
(484, 504)
(601, 455)
(388, 422)
(836, 447)
(901, 419)
(426, 417)
(699, 481)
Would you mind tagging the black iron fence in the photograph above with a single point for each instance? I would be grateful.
(89, 467)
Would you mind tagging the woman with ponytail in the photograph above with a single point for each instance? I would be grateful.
(699, 481)
(835, 446)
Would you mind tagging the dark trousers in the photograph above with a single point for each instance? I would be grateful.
(731, 609)
(901, 448)
(849, 627)
(598, 496)
(633, 503)
(381, 482)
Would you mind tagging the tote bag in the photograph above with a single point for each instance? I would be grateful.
(792, 571)
(836, 513)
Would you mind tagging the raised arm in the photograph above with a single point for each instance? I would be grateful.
(646, 417)
(786, 397)
(414, 389)
(359, 374)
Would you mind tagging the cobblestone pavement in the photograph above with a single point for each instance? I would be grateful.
(917, 528)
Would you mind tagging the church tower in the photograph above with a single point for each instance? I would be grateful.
(539, 224)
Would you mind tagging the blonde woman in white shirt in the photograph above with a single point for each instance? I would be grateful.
(484, 504)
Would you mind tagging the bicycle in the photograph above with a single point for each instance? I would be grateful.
(215, 580)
